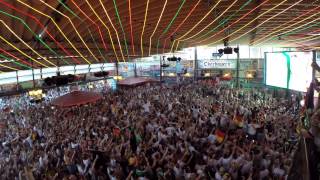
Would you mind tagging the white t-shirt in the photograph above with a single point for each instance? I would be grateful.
(251, 129)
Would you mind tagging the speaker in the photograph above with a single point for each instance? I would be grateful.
(228, 50)
(236, 50)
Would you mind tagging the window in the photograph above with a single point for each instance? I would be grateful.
(8, 77)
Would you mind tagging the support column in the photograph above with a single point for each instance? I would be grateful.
(117, 70)
(238, 67)
(314, 60)
(161, 67)
(195, 64)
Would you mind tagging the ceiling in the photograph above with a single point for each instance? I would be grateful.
(46, 33)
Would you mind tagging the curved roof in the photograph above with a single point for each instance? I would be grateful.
(49, 33)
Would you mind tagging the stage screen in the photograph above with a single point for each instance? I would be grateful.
(291, 70)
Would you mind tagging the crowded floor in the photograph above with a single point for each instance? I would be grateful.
(187, 131)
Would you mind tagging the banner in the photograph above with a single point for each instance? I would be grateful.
(217, 64)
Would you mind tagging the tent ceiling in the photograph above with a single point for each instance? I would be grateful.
(93, 31)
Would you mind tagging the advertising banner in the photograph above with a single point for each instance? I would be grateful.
(217, 64)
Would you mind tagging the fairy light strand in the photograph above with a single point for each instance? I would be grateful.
(110, 36)
(117, 35)
(82, 21)
(155, 29)
(279, 4)
(170, 24)
(178, 27)
(26, 44)
(206, 15)
(62, 14)
(52, 20)
(119, 20)
(144, 25)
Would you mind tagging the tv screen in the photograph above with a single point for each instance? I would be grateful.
(291, 70)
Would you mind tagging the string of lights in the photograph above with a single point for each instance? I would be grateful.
(131, 30)
(8, 67)
(13, 61)
(110, 36)
(223, 22)
(119, 20)
(75, 29)
(238, 37)
(34, 34)
(170, 24)
(56, 25)
(239, 19)
(268, 37)
(143, 27)
(120, 46)
(214, 20)
(42, 26)
(16, 58)
(155, 29)
(83, 22)
(239, 29)
(196, 25)
(184, 20)
(13, 46)
(26, 44)
(94, 23)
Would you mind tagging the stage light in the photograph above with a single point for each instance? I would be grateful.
(117, 77)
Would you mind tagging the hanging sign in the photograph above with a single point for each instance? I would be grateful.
(217, 64)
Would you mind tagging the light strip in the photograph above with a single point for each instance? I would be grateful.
(26, 43)
(19, 64)
(269, 36)
(171, 22)
(9, 67)
(287, 34)
(238, 37)
(245, 15)
(34, 34)
(119, 20)
(131, 31)
(144, 25)
(215, 19)
(249, 22)
(155, 29)
(270, 33)
(73, 28)
(208, 13)
(114, 30)
(223, 22)
(306, 39)
(57, 28)
(177, 46)
(98, 28)
(22, 51)
(114, 49)
(42, 26)
(190, 12)
(6, 52)
(82, 21)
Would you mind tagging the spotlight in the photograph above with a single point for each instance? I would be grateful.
(236, 50)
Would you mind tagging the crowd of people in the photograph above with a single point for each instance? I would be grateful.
(191, 131)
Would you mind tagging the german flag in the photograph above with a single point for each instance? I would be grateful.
(238, 120)
(220, 135)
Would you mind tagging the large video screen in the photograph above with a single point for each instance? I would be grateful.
(291, 70)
